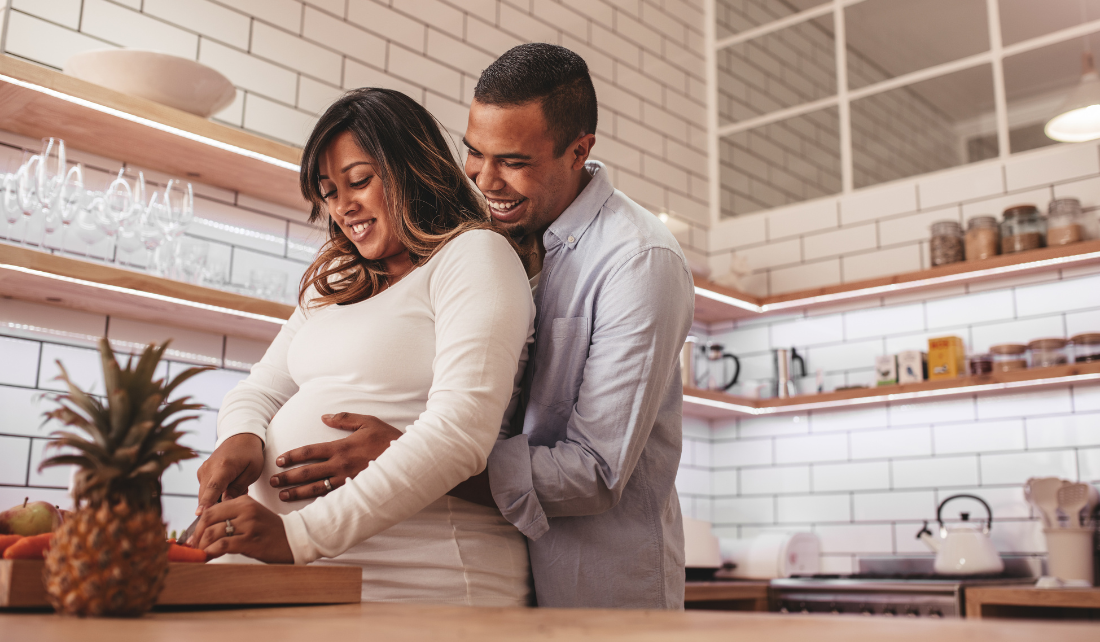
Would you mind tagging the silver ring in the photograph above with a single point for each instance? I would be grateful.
(229, 530)
(328, 485)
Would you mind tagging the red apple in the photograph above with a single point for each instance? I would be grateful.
(31, 518)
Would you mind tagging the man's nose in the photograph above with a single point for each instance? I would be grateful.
(488, 178)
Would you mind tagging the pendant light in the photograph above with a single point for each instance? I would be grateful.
(1079, 118)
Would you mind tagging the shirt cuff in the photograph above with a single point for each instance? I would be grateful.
(243, 430)
(513, 489)
(298, 537)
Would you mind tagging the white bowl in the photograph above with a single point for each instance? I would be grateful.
(168, 80)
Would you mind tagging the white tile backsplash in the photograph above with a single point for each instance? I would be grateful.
(814, 448)
(960, 185)
(1016, 468)
(874, 475)
(775, 481)
(14, 460)
(934, 472)
(983, 437)
(813, 508)
(894, 442)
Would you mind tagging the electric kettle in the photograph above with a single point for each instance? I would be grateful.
(964, 549)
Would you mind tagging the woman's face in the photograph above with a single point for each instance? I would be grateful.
(353, 195)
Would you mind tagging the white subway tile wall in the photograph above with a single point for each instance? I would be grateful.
(290, 58)
(30, 369)
(884, 230)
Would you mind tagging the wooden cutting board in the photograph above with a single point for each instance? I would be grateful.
(21, 584)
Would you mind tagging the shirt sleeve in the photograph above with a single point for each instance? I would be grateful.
(250, 405)
(643, 314)
(483, 317)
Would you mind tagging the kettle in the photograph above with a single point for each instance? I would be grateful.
(716, 355)
(964, 549)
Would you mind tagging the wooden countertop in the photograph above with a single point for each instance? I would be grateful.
(381, 622)
(1017, 601)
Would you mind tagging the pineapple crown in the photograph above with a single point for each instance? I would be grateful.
(132, 441)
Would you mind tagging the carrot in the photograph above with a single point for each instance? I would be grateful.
(29, 548)
(177, 553)
(8, 540)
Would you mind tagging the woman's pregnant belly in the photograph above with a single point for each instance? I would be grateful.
(451, 551)
(298, 423)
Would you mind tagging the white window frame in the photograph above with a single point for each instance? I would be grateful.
(843, 98)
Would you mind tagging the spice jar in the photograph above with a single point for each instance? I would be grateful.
(947, 243)
(979, 364)
(1008, 357)
(1047, 352)
(983, 238)
(1086, 347)
(1023, 229)
(1064, 222)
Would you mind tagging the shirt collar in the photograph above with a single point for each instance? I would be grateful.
(572, 223)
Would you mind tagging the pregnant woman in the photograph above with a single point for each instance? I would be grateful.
(415, 312)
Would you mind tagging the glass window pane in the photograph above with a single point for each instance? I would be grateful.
(781, 69)
(793, 160)
(924, 127)
(735, 16)
(1025, 19)
(890, 38)
(1037, 84)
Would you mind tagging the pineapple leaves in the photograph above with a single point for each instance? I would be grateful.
(132, 438)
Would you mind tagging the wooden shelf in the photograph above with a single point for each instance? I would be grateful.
(1022, 602)
(715, 303)
(39, 277)
(39, 102)
(717, 405)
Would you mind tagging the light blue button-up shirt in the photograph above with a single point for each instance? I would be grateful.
(591, 479)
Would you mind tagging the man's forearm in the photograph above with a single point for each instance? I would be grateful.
(475, 489)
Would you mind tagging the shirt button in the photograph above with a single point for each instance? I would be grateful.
(571, 239)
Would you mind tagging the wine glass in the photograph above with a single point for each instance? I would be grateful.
(152, 230)
(10, 203)
(50, 174)
(71, 197)
(117, 202)
(88, 217)
(28, 190)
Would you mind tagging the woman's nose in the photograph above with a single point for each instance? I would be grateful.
(344, 206)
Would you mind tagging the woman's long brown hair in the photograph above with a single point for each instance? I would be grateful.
(427, 195)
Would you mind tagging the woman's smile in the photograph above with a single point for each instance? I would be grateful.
(360, 229)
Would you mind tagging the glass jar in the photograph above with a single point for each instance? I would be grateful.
(983, 238)
(1008, 357)
(1044, 353)
(979, 364)
(947, 243)
(1023, 229)
(1086, 347)
(1064, 222)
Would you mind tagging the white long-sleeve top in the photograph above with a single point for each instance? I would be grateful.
(437, 356)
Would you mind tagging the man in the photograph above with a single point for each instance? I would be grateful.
(590, 480)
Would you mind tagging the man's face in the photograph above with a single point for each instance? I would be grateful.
(511, 159)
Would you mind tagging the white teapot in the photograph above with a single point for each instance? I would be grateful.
(964, 549)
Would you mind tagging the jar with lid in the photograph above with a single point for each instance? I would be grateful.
(1064, 222)
(1044, 353)
(1086, 347)
(979, 364)
(1023, 228)
(1008, 357)
(947, 243)
(983, 238)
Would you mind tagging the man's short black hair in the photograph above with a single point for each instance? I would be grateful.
(551, 74)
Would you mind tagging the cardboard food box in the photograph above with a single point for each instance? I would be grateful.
(912, 366)
(946, 358)
(886, 370)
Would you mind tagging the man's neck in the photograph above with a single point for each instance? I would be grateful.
(531, 248)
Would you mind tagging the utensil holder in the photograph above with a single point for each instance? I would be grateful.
(1070, 553)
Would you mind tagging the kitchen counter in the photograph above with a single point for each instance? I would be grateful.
(380, 622)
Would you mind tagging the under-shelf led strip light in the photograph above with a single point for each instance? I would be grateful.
(893, 287)
(898, 396)
(151, 123)
(146, 295)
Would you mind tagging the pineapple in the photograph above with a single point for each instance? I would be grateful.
(111, 556)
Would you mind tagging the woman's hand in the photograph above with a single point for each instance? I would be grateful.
(257, 532)
(335, 461)
(230, 470)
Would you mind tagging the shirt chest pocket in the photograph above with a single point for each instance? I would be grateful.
(559, 361)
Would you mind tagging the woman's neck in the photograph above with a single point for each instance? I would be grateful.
(398, 265)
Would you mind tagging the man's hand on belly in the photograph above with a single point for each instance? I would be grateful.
(334, 461)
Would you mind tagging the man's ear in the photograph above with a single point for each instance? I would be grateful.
(581, 149)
